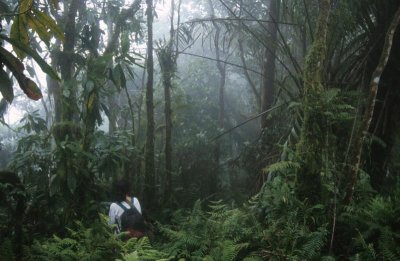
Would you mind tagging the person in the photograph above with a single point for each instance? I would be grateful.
(132, 222)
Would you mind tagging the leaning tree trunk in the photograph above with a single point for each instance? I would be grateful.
(369, 111)
(312, 140)
(149, 188)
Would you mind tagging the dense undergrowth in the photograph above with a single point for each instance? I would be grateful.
(274, 225)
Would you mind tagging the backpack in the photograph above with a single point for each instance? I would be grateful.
(131, 219)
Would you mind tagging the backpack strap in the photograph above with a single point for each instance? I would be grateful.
(122, 206)
(119, 225)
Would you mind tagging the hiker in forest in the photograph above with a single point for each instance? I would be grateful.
(126, 213)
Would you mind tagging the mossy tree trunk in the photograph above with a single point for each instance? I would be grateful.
(312, 139)
(66, 126)
(68, 96)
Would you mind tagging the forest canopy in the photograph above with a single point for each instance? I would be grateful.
(248, 130)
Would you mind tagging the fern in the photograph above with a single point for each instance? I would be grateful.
(314, 244)
(388, 249)
(282, 166)
(227, 250)
(6, 250)
(375, 220)
(221, 233)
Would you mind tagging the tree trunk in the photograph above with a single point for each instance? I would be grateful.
(112, 117)
(312, 139)
(55, 88)
(168, 137)
(69, 109)
(268, 80)
(221, 100)
(149, 189)
(369, 111)
(256, 93)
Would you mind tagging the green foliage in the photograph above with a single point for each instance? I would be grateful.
(94, 242)
(282, 166)
(112, 153)
(27, 17)
(141, 250)
(223, 233)
(293, 229)
(6, 250)
(6, 88)
(374, 222)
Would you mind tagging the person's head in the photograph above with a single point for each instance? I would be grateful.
(121, 189)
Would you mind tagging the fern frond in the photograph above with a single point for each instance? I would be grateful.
(314, 244)
(282, 166)
(387, 246)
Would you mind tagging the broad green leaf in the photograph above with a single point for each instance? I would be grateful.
(6, 86)
(17, 68)
(25, 6)
(42, 63)
(39, 28)
(12, 62)
(50, 24)
(19, 33)
(31, 89)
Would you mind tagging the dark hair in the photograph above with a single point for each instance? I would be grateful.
(121, 188)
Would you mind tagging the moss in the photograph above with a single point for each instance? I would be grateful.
(66, 130)
(311, 144)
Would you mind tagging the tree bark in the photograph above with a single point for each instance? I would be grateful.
(268, 80)
(69, 109)
(55, 88)
(149, 153)
(168, 136)
(168, 111)
(369, 111)
(256, 93)
(221, 98)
